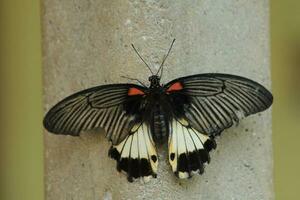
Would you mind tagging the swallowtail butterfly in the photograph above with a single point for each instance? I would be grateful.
(186, 113)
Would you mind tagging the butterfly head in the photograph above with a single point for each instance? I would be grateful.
(154, 81)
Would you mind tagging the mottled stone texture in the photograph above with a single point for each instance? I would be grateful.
(87, 43)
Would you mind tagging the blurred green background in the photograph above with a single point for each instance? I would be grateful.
(21, 144)
(285, 43)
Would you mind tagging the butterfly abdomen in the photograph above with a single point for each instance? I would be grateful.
(159, 125)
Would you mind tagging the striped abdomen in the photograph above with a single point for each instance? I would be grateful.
(160, 125)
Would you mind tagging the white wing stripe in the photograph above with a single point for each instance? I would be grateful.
(187, 152)
(136, 155)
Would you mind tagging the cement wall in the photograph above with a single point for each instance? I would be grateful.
(87, 43)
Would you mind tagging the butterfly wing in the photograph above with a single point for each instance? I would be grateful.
(188, 148)
(204, 105)
(214, 102)
(116, 108)
(136, 154)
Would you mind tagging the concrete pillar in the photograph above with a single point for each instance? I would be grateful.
(87, 43)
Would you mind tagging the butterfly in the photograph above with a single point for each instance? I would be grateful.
(187, 113)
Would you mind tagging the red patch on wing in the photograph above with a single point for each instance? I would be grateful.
(134, 91)
(175, 87)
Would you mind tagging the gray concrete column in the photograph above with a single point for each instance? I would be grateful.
(87, 43)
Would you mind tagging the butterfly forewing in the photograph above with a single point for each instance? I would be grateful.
(111, 107)
(213, 102)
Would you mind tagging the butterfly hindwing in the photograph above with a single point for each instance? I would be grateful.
(188, 149)
(214, 102)
(116, 108)
(136, 154)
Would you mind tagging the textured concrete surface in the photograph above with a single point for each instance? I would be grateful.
(87, 43)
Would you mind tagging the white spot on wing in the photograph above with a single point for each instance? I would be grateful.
(183, 175)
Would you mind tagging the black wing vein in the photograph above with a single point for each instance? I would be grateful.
(217, 101)
(102, 106)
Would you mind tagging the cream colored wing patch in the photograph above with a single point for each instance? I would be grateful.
(136, 154)
(188, 149)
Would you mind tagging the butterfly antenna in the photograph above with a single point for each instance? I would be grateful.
(142, 58)
(164, 59)
(134, 79)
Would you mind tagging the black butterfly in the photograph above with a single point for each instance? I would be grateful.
(188, 112)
